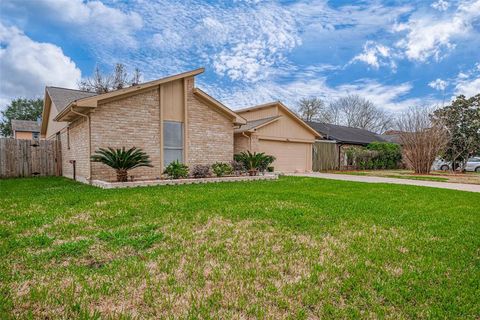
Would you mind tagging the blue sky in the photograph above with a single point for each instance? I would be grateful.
(395, 53)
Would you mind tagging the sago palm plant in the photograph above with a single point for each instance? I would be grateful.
(122, 160)
(254, 161)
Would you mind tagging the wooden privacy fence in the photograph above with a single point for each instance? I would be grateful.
(325, 156)
(25, 158)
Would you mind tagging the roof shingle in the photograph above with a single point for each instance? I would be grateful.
(251, 125)
(345, 134)
(25, 125)
(62, 97)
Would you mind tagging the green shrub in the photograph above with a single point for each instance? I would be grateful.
(377, 155)
(254, 162)
(122, 160)
(388, 155)
(176, 170)
(222, 169)
(266, 162)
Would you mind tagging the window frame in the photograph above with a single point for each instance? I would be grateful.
(180, 148)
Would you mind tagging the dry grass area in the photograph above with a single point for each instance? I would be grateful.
(294, 248)
(440, 176)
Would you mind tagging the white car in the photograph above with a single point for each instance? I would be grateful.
(473, 165)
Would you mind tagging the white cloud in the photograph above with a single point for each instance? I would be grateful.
(375, 55)
(438, 84)
(440, 5)
(244, 42)
(432, 36)
(468, 87)
(27, 66)
(390, 97)
(93, 20)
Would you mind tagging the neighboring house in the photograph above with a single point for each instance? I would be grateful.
(274, 129)
(25, 129)
(345, 137)
(392, 136)
(168, 118)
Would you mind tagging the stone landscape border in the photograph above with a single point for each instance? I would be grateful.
(146, 183)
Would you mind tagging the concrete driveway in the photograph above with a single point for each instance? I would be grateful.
(369, 179)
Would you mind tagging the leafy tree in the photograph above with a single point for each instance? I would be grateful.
(122, 160)
(461, 119)
(20, 109)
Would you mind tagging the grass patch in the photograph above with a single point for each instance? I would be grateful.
(293, 248)
(424, 178)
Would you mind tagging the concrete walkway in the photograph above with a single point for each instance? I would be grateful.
(369, 179)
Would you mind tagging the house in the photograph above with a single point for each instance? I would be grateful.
(274, 129)
(393, 136)
(25, 129)
(168, 118)
(344, 138)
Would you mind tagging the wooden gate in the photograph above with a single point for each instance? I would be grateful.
(25, 158)
(325, 156)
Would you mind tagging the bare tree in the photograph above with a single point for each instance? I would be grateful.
(311, 109)
(98, 83)
(422, 140)
(120, 76)
(102, 83)
(355, 111)
(136, 77)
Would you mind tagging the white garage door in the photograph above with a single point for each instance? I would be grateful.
(291, 156)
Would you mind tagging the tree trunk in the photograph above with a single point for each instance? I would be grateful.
(122, 175)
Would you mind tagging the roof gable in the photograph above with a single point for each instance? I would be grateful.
(62, 97)
(285, 109)
(212, 102)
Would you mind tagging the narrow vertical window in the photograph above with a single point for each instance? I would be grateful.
(172, 142)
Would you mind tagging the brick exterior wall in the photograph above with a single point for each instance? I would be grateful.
(210, 133)
(243, 143)
(133, 121)
(78, 150)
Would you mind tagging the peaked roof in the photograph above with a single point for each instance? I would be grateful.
(254, 124)
(345, 134)
(62, 97)
(284, 108)
(219, 106)
(91, 102)
(25, 125)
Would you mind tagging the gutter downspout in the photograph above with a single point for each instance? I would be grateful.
(89, 178)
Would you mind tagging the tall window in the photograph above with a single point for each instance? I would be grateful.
(172, 142)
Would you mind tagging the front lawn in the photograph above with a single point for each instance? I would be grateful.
(439, 176)
(292, 248)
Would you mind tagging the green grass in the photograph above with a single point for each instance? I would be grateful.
(397, 176)
(424, 178)
(295, 248)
